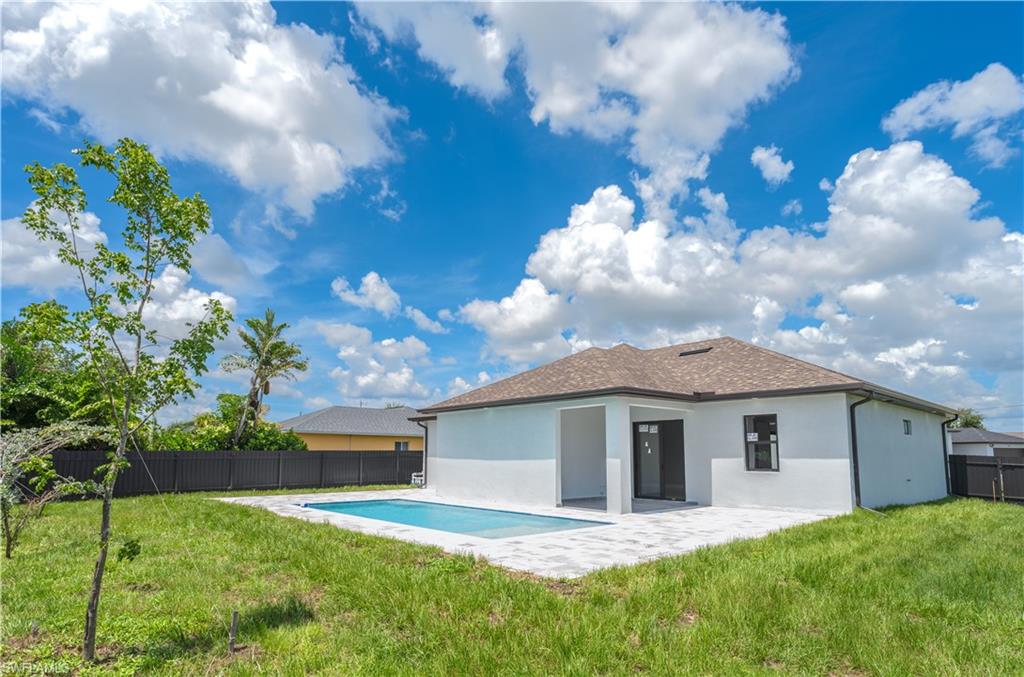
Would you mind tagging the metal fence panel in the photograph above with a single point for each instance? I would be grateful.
(986, 477)
(341, 468)
(379, 467)
(255, 470)
(408, 463)
(155, 469)
(300, 469)
(209, 472)
(181, 471)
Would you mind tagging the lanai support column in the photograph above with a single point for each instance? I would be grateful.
(619, 457)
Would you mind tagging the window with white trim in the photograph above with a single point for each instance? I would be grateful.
(761, 435)
(401, 446)
(907, 428)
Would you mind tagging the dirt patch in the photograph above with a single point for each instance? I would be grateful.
(563, 587)
(142, 587)
(687, 618)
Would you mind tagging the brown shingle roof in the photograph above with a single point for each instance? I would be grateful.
(728, 367)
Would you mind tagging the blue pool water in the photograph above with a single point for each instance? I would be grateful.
(457, 519)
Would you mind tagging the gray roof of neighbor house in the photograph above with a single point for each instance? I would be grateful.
(719, 368)
(356, 421)
(979, 436)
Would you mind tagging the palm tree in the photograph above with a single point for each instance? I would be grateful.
(267, 356)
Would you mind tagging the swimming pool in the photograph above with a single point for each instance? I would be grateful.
(481, 522)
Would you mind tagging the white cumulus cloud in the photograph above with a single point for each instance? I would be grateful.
(423, 321)
(29, 262)
(773, 168)
(275, 106)
(671, 79)
(876, 280)
(374, 292)
(375, 370)
(986, 108)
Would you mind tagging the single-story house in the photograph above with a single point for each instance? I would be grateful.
(717, 422)
(358, 429)
(978, 442)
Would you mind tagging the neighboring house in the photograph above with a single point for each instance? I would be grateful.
(717, 422)
(358, 429)
(978, 442)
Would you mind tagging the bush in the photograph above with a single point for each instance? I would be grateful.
(212, 431)
(268, 437)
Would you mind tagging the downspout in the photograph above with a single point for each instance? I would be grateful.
(854, 459)
(426, 444)
(945, 453)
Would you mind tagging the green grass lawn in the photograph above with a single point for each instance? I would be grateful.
(933, 589)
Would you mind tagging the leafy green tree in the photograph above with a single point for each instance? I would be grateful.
(267, 356)
(28, 480)
(212, 431)
(968, 418)
(43, 381)
(137, 374)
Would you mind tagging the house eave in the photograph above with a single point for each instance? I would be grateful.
(361, 434)
(861, 388)
(895, 397)
(575, 395)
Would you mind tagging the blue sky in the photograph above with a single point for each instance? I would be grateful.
(435, 146)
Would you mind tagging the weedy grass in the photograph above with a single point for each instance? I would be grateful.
(929, 589)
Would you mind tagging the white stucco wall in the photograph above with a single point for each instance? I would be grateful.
(896, 468)
(814, 468)
(505, 454)
(583, 453)
(539, 454)
(972, 448)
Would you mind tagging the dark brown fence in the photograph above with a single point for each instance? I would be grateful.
(987, 477)
(174, 471)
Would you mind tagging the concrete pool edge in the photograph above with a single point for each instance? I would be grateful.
(625, 540)
(554, 523)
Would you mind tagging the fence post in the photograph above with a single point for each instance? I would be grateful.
(321, 470)
(279, 460)
(398, 467)
(360, 468)
(999, 473)
(175, 470)
(231, 471)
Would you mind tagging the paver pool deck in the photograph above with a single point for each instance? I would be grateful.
(626, 539)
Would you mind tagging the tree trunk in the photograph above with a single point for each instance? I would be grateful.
(236, 439)
(5, 516)
(92, 611)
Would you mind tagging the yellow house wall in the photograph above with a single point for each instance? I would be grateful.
(318, 442)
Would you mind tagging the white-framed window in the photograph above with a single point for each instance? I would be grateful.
(908, 429)
(761, 437)
(402, 446)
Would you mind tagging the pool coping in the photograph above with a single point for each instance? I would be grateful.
(587, 523)
(621, 540)
(409, 532)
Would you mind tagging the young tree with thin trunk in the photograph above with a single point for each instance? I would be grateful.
(137, 371)
(28, 480)
(267, 356)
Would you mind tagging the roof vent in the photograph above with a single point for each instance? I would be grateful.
(697, 351)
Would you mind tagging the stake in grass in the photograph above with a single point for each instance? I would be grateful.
(138, 372)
